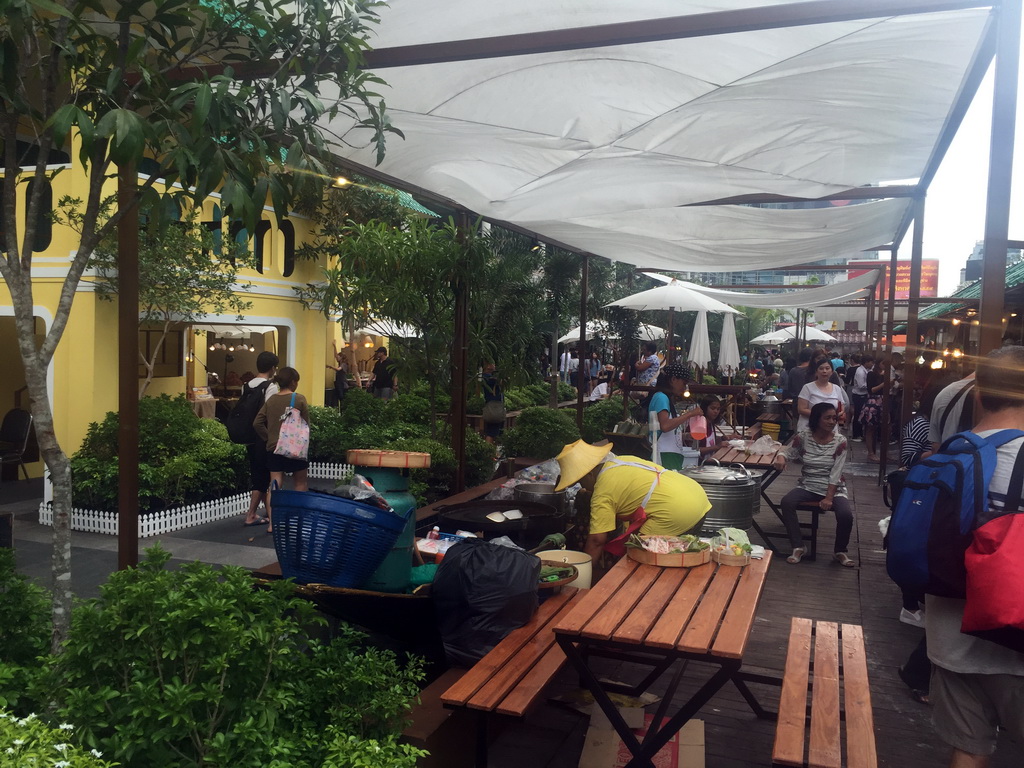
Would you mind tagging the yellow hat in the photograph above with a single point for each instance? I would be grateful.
(577, 459)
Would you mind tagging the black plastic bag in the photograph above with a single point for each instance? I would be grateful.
(482, 592)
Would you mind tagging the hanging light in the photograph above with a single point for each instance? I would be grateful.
(340, 182)
(938, 363)
(213, 347)
(956, 321)
(958, 353)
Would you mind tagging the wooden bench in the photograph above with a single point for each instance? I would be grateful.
(826, 664)
(511, 679)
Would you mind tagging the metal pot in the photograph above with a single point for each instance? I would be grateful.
(543, 493)
(734, 493)
(771, 404)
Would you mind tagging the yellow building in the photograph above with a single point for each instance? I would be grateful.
(82, 380)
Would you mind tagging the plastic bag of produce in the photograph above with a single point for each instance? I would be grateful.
(481, 593)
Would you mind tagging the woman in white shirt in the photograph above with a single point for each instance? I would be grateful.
(821, 390)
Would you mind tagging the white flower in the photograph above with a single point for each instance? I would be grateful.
(18, 742)
(60, 747)
(10, 750)
(61, 764)
(96, 753)
(66, 727)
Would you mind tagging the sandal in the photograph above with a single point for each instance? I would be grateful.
(843, 559)
(256, 521)
(797, 556)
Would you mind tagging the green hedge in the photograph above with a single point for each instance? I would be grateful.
(541, 433)
(182, 459)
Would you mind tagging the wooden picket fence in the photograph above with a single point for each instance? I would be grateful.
(177, 518)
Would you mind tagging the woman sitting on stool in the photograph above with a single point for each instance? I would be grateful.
(823, 453)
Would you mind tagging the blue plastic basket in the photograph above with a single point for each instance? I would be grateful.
(324, 539)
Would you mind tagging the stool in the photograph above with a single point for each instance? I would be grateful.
(815, 511)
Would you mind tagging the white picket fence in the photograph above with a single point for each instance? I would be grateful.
(176, 518)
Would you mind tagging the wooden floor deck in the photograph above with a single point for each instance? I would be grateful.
(735, 738)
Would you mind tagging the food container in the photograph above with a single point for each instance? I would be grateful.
(402, 459)
(727, 558)
(543, 493)
(538, 519)
(671, 559)
(734, 493)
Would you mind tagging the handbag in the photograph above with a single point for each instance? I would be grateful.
(494, 412)
(293, 441)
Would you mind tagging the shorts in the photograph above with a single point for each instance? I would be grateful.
(968, 708)
(259, 474)
(277, 463)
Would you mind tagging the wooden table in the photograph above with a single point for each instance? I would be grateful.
(760, 462)
(656, 617)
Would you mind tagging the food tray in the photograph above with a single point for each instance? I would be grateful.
(561, 582)
(361, 457)
(672, 560)
(724, 558)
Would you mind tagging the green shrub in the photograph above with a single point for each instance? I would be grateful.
(361, 408)
(194, 667)
(540, 433)
(410, 408)
(24, 635)
(182, 459)
(709, 380)
(566, 392)
(328, 436)
(601, 417)
(29, 741)
(475, 404)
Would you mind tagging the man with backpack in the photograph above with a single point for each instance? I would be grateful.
(240, 430)
(971, 488)
(953, 411)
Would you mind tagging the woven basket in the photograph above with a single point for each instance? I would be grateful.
(669, 560)
(724, 558)
(405, 459)
(323, 539)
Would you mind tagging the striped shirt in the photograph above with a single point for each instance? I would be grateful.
(823, 462)
(915, 440)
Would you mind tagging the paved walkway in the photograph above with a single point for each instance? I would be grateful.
(553, 736)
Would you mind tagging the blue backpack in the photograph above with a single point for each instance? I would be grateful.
(933, 522)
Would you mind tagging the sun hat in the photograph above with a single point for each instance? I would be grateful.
(577, 459)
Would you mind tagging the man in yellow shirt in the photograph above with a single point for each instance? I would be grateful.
(673, 503)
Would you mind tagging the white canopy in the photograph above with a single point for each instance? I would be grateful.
(788, 334)
(602, 146)
(700, 344)
(596, 328)
(728, 348)
(844, 290)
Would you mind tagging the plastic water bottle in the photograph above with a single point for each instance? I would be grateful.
(435, 534)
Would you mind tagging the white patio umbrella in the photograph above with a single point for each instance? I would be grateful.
(700, 344)
(729, 350)
(672, 296)
(789, 334)
(647, 333)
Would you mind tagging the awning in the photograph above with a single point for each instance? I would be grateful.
(843, 290)
(602, 148)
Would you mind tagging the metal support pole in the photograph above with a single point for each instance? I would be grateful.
(128, 370)
(1000, 174)
(913, 306)
(869, 304)
(460, 361)
(670, 352)
(886, 426)
(584, 290)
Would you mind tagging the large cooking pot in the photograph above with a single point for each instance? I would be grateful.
(543, 493)
(734, 493)
(771, 404)
(538, 520)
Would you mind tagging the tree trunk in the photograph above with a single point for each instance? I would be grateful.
(56, 460)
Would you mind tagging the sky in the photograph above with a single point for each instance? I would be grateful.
(955, 208)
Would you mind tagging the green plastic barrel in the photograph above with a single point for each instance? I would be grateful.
(395, 573)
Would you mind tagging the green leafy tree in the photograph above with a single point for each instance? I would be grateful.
(199, 96)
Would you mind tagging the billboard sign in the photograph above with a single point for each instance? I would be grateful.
(929, 277)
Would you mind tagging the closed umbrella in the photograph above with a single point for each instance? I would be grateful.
(700, 344)
(729, 350)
